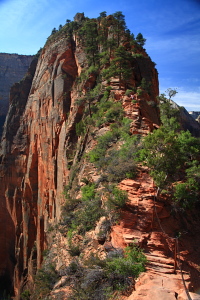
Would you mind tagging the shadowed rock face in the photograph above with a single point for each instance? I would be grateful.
(39, 132)
(187, 121)
(33, 163)
(10, 218)
(38, 139)
(12, 69)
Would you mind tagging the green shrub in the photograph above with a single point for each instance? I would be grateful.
(93, 261)
(80, 128)
(115, 113)
(108, 111)
(25, 295)
(131, 264)
(139, 92)
(87, 216)
(117, 198)
(88, 192)
(120, 164)
(186, 194)
(81, 215)
(74, 250)
(104, 142)
(44, 281)
(128, 92)
(109, 278)
(137, 55)
(96, 154)
(117, 168)
(68, 210)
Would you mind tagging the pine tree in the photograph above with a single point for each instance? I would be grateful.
(119, 25)
(89, 32)
(122, 64)
(140, 39)
(54, 30)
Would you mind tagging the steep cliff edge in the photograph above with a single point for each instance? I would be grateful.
(53, 123)
(33, 162)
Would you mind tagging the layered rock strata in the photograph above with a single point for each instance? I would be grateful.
(37, 141)
(39, 146)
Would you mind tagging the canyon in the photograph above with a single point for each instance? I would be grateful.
(12, 69)
(42, 153)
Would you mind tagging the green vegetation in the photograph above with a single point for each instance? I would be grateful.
(140, 39)
(81, 215)
(80, 128)
(116, 163)
(101, 279)
(145, 85)
(44, 281)
(130, 264)
(25, 295)
(172, 156)
(105, 42)
(117, 198)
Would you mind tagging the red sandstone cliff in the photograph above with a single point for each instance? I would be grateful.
(38, 141)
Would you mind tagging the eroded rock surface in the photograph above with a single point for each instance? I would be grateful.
(172, 256)
(39, 146)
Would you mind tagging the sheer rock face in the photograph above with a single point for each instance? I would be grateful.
(33, 158)
(189, 123)
(37, 142)
(187, 120)
(12, 69)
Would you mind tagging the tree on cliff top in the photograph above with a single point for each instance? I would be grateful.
(89, 33)
(140, 39)
(119, 25)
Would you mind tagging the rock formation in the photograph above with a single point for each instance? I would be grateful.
(12, 69)
(188, 120)
(194, 114)
(41, 153)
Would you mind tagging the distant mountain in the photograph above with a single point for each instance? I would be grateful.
(194, 114)
(82, 132)
(188, 120)
(12, 69)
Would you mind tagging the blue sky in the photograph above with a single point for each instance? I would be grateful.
(172, 30)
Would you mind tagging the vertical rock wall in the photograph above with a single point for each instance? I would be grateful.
(33, 165)
(12, 69)
(39, 133)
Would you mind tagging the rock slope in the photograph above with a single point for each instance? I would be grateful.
(40, 150)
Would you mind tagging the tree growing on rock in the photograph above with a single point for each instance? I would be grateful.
(140, 39)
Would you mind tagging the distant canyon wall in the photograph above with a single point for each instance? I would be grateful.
(12, 69)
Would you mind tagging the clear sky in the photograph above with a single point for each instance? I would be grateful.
(171, 27)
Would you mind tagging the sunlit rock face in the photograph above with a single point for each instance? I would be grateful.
(33, 163)
(39, 128)
(38, 141)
